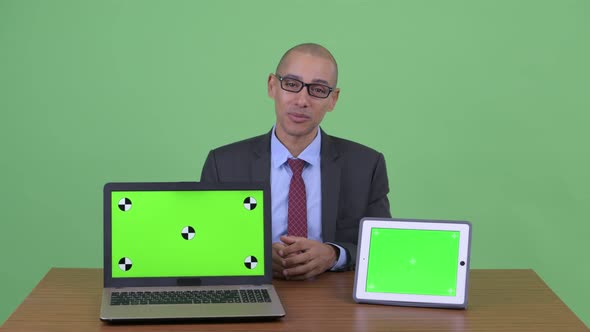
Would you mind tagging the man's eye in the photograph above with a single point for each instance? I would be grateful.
(319, 89)
(292, 84)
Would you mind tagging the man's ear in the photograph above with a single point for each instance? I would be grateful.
(271, 85)
(334, 98)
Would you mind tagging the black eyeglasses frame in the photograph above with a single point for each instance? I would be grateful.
(303, 85)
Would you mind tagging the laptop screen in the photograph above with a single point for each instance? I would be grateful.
(187, 233)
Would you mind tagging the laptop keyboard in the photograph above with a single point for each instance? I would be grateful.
(190, 297)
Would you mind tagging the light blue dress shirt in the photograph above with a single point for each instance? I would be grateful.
(280, 177)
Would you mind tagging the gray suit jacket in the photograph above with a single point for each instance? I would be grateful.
(354, 182)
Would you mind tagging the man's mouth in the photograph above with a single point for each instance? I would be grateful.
(297, 117)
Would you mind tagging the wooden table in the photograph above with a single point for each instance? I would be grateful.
(499, 300)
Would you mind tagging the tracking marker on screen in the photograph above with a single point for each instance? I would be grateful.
(250, 203)
(125, 204)
(125, 264)
(251, 262)
(188, 233)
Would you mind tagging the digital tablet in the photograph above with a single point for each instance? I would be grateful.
(411, 262)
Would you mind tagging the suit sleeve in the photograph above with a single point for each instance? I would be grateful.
(378, 201)
(209, 171)
(377, 206)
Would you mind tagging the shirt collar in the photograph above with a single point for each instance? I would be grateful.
(279, 153)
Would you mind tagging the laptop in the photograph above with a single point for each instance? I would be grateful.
(187, 250)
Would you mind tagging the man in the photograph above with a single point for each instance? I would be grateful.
(342, 181)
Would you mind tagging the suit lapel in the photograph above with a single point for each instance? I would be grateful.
(260, 165)
(330, 169)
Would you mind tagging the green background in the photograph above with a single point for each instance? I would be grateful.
(481, 109)
(225, 233)
(409, 261)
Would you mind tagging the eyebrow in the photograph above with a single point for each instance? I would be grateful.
(317, 80)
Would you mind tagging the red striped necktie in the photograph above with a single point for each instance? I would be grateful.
(297, 212)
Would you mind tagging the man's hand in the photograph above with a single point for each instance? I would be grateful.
(298, 258)
(277, 260)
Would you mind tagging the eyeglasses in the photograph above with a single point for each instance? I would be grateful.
(295, 85)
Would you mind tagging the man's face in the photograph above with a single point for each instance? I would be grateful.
(299, 114)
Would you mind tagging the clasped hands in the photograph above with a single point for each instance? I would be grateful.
(299, 258)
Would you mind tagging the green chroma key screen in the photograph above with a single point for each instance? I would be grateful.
(412, 261)
(187, 233)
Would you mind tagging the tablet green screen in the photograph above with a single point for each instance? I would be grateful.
(413, 261)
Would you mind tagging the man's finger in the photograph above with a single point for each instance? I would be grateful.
(298, 246)
(299, 270)
(296, 259)
(286, 239)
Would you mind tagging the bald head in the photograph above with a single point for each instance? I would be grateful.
(314, 50)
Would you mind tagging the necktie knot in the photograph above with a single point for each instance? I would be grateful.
(296, 166)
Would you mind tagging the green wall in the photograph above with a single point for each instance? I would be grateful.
(480, 107)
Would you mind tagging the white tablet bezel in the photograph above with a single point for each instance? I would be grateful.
(458, 301)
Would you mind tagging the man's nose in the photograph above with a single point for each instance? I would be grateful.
(302, 98)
